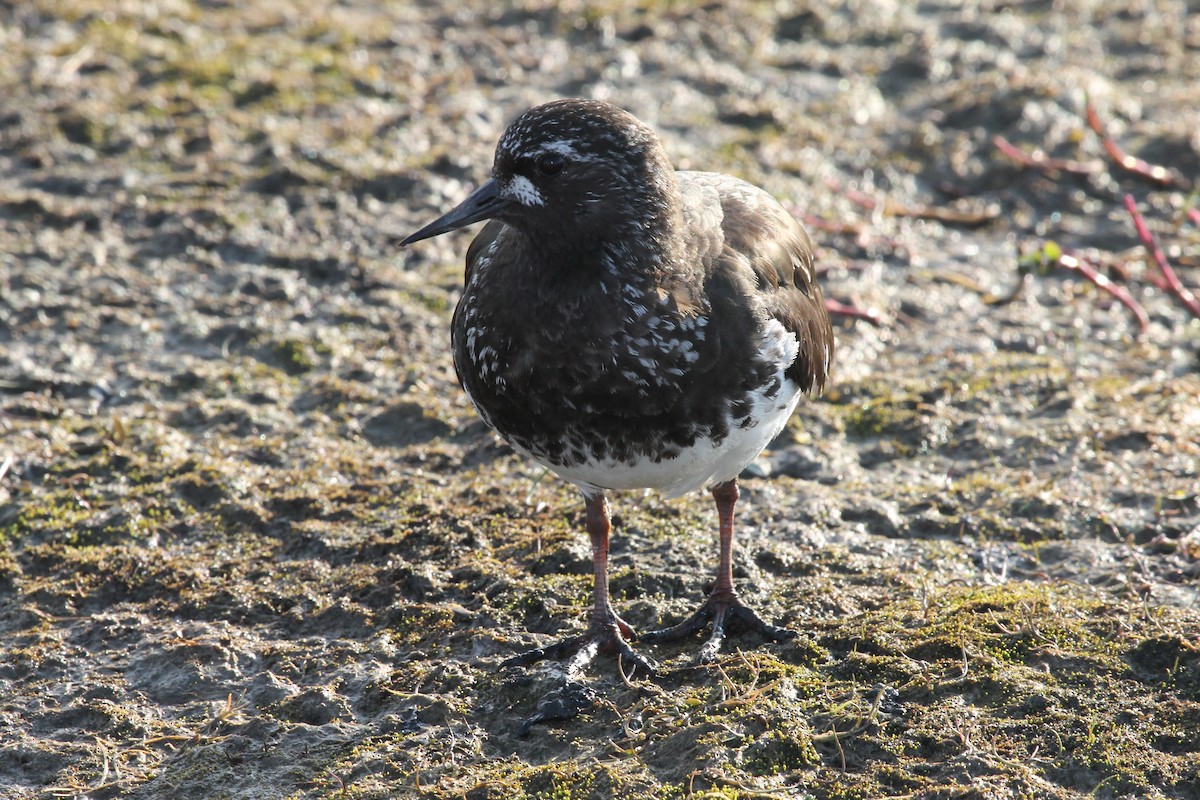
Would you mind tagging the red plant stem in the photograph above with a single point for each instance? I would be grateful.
(854, 312)
(1039, 160)
(1077, 264)
(855, 196)
(1120, 271)
(1173, 283)
(813, 221)
(1129, 163)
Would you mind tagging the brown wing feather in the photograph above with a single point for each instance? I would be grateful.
(780, 254)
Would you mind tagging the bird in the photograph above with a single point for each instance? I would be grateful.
(629, 326)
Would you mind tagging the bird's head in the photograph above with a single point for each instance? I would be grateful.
(571, 168)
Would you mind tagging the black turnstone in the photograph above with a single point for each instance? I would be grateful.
(629, 326)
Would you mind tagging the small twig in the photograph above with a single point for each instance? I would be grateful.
(861, 723)
(986, 296)
(854, 312)
(168, 738)
(741, 789)
(1173, 283)
(849, 266)
(1039, 160)
(628, 681)
(103, 779)
(621, 671)
(1125, 161)
(992, 299)
(533, 486)
(950, 216)
(728, 687)
(841, 750)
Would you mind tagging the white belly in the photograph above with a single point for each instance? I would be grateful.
(696, 467)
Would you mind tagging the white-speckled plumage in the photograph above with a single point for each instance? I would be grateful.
(706, 462)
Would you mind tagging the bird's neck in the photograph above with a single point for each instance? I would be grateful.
(637, 249)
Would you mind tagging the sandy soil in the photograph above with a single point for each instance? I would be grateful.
(254, 543)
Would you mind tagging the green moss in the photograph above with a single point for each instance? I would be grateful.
(880, 417)
(65, 511)
(296, 356)
(556, 783)
(781, 750)
(419, 623)
(433, 300)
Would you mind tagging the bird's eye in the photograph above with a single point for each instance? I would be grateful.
(551, 163)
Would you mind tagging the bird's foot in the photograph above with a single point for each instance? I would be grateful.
(718, 610)
(571, 696)
(576, 652)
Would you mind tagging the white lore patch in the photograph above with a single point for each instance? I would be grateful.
(705, 463)
(522, 190)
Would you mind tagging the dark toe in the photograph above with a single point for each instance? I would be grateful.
(753, 622)
(715, 616)
(631, 662)
(553, 652)
(561, 704)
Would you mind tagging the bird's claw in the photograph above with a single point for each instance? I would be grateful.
(715, 614)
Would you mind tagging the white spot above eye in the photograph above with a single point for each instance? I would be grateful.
(562, 147)
(522, 190)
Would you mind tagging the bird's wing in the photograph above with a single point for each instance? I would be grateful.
(767, 258)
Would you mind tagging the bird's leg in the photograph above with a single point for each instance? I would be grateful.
(604, 617)
(606, 631)
(723, 603)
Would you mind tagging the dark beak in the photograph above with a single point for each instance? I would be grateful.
(484, 203)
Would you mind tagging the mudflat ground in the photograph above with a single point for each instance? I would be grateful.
(254, 542)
